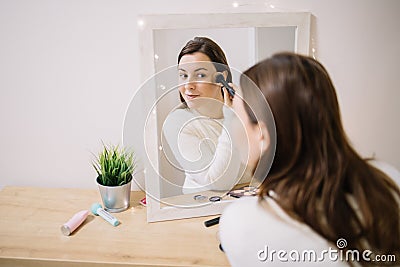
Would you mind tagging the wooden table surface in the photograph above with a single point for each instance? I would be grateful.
(30, 233)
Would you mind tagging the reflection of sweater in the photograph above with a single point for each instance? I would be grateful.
(250, 231)
(202, 147)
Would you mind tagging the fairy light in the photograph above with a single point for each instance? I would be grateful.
(140, 23)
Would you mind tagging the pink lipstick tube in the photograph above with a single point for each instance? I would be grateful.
(76, 220)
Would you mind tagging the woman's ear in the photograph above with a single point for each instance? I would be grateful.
(264, 137)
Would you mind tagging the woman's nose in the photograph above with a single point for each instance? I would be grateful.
(190, 85)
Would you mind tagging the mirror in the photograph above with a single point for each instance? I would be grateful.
(245, 39)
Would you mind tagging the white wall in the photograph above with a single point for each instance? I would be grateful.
(69, 68)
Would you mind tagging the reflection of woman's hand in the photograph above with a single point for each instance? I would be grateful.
(227, 97)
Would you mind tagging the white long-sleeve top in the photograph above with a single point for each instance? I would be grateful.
(203, 149)
(252, 234)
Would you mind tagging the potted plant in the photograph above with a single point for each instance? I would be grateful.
(114, 167)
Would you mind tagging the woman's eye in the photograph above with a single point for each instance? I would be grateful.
(183, 75)
(201, 75)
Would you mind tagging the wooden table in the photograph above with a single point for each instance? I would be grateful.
(30, 235)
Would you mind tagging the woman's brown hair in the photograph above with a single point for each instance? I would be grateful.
(212, 50)
(317, 176)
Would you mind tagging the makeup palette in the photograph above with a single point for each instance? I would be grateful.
(244, 192)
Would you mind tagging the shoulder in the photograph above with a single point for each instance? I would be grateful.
(249, 228)
(244, 205)
(235, 224)
(179, 114)
(233, 215)
(176, 118)
(238, 219)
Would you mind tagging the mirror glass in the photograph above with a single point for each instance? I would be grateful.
(176, 168)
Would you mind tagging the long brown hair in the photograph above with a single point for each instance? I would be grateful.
(212, 50)
(317, 176)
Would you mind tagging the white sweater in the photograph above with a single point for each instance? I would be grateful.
(203, 149)
(249, 232)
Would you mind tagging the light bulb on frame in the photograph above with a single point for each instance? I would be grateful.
(140, 23)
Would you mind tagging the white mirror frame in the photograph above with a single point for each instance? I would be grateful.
(147, 25)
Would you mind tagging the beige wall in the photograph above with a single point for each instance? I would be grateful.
(68, 70)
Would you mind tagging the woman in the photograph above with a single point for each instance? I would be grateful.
(320, 195)
(195, 131)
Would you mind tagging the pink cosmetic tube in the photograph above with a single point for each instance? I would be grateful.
(76, 220)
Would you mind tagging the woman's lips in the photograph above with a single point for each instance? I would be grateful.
(190, 97)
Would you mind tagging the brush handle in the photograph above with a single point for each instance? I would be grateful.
(212, 222)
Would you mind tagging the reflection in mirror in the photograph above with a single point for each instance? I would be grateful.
(197, 162)
(194, 130)
(245, 39)
(196, 135)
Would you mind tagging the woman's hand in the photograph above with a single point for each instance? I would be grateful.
(227, 97)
